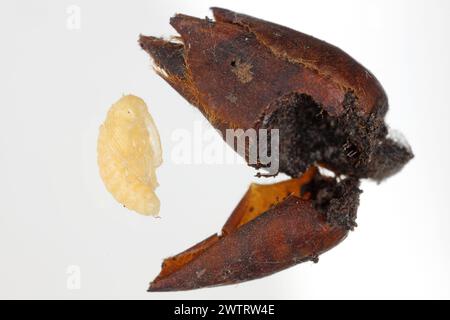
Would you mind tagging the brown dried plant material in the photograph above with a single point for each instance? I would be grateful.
(273, 227)
(129, 151)
(243, 72)
(261, 197)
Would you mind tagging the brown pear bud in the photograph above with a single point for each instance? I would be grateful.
(243, 72)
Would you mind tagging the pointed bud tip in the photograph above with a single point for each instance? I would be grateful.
(150, 44)
(223, 15)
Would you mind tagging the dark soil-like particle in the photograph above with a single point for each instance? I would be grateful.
(350, 144)
(337, 199)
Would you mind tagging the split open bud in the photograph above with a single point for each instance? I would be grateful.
(245, 73)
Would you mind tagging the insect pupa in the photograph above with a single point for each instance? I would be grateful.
(129, 151)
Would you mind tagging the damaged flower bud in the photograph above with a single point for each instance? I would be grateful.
(273, 227)
(243, 72)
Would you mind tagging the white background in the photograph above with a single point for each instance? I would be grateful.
(57, 84)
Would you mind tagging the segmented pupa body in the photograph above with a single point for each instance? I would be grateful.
(129, 151)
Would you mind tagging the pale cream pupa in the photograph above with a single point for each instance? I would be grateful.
(129, 151)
